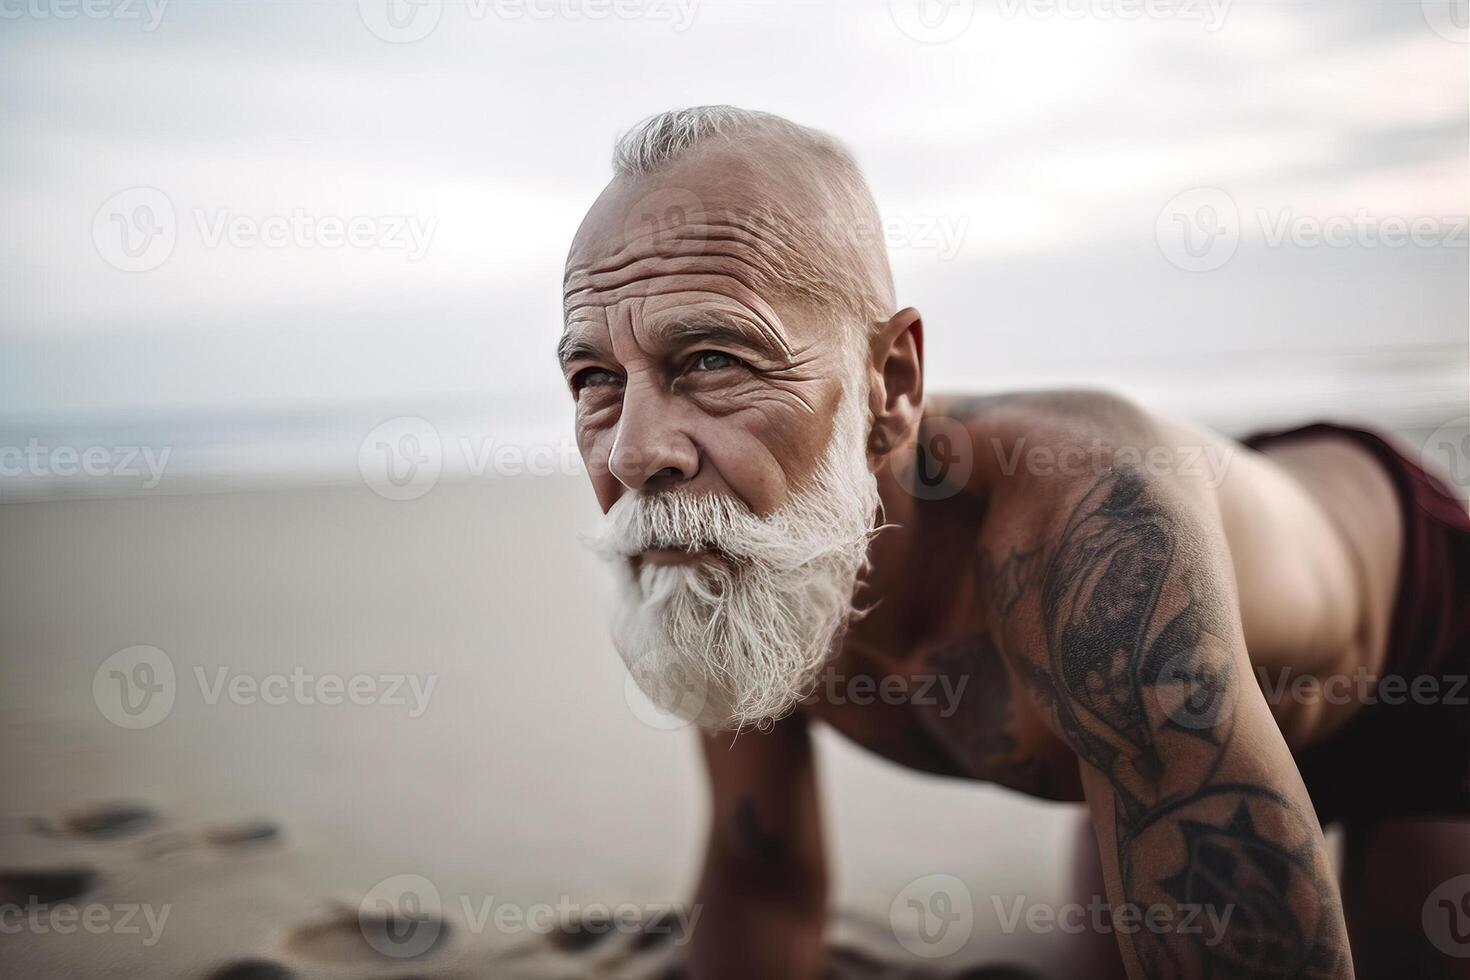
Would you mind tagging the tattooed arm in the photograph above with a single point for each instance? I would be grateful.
(763, 891)
(1113, 597)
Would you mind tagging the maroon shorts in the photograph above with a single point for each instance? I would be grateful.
(1407, 752)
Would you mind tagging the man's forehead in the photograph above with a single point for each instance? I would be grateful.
(724, 232)
(668, 222)
(657, 242)
(672, 320)
(719, 189)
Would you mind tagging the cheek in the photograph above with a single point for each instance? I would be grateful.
(595, 447)
(762, 458)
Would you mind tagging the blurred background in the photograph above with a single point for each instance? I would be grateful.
(279, 291)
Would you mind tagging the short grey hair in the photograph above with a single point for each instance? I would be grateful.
(661, 140)
(831, 266)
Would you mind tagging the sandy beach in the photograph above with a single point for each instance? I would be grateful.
(492, 755)
(304, 668)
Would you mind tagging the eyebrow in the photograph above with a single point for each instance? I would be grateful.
(695, 328)
(572, 348)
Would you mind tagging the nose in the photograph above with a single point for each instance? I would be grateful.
(650, 446)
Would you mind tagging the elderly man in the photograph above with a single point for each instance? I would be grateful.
(789, 514)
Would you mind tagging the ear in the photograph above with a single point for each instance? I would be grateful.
(896, 376)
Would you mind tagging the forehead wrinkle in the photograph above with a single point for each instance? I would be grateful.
(741, 236)
(727, 229)
(692, 283)
(683, 327)
(736, 262)
(687, 268)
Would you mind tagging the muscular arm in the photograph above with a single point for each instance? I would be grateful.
(764, 884)
(1114, 600)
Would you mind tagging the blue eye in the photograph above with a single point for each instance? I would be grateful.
(592, 378)
(713, 360)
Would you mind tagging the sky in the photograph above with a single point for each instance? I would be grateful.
(270, 224)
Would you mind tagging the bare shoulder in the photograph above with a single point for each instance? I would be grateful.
(1041, 460)
(1042, 444)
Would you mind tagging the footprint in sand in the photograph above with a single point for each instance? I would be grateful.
(252, 970)
(661, 929)
(104, 821)
(260, 970)
(45, 887)
(998, 972)
(581, 935)
(224, 838)
(604, 947)
(362, 937)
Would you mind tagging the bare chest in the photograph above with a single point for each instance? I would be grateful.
(949, 706)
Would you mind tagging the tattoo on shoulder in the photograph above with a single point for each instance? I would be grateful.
(1139, 675)
(1003, 583)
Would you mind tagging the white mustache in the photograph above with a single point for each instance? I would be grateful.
(681, 519)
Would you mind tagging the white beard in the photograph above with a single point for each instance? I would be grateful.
(739, 640)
